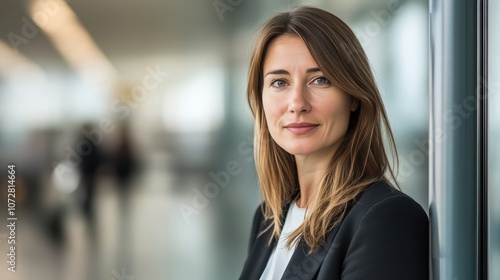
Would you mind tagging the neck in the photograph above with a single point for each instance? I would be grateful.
(310, 171)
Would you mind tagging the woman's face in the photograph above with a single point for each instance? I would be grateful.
(306, 113)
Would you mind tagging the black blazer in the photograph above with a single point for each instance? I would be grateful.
(385, 236)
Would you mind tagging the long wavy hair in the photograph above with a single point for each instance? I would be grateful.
(361, 159)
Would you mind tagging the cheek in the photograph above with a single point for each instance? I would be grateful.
(345, 115)
(339, 112)
(272, 117)
(269, 110)
(342, 112)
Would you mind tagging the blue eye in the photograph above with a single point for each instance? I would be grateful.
(321, 81)
(278, 83)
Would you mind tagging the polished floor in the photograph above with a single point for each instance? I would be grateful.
(148, 239)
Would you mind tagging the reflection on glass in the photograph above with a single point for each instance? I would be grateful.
(494, 137)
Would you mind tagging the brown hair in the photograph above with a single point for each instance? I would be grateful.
(361, 158)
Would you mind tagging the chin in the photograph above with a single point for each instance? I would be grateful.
(298, 150)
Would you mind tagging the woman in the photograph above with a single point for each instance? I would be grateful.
(328, 211)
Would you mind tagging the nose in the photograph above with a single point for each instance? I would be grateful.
(298, 102)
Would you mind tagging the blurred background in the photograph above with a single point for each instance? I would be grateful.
(131, 137)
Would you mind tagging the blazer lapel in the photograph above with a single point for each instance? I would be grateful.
(303, 266)
(261, 251)
(259, 256)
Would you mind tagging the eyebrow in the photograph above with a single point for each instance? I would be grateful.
(283, 71)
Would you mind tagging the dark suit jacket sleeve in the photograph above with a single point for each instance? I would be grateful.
(390, 242)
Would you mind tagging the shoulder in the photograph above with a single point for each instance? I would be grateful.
(383, 208)
(380, 197)
(381, 212)
(386, 233)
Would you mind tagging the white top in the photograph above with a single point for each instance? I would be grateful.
(281, 255)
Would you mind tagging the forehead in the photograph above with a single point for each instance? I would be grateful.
(287, 51)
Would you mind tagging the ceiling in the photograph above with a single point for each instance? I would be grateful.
(132, 28)
(120, 29)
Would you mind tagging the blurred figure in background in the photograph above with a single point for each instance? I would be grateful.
(91, 160)
(124, 161)
(88, 170)
(124, 164)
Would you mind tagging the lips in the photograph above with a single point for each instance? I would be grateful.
(301, 128)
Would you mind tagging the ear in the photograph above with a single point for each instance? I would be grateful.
(354, 104)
